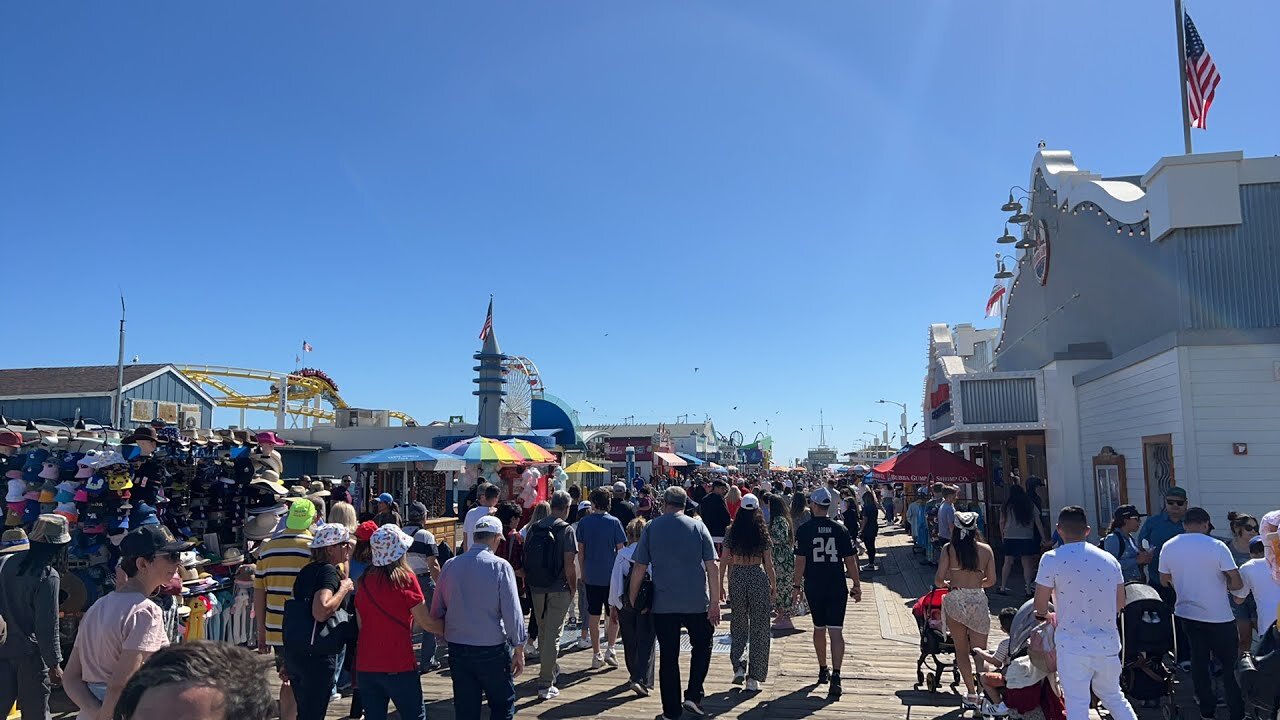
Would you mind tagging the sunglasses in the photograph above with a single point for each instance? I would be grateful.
(1250, 527)
(1176, 503)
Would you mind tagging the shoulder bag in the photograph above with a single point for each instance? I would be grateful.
(319, 638)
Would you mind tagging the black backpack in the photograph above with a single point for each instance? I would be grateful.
(543, 560)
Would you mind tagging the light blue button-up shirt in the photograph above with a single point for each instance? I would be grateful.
(1158, 530)
(476, 597)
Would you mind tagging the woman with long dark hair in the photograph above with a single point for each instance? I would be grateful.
(799, 508)
(748, 563)
(1119, 543)
(870, 528)
(966, 566)
(782, 538)
(1019, 521)
(31, 657)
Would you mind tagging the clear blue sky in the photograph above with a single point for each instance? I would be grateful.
(783, 195)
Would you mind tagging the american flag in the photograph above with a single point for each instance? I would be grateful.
(993, 302)
(488, 322)
(306, 346)
(1202, 75)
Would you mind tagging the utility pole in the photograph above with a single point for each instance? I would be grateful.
(821, 427)
(1180, 23)
(117, 410)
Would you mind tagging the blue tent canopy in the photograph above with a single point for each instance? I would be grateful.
(410, 453)
(691, 458)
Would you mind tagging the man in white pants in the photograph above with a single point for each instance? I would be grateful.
(1087, 589)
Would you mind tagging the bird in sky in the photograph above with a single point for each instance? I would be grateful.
(695, 369)
(735, 407)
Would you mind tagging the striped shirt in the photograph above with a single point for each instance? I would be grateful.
(279, 561)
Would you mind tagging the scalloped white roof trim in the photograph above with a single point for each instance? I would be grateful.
(1122, 200)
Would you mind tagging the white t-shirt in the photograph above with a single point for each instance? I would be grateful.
(469, 524)
(1257, 578)
(418, 561)
(1196, 562)
(1084, 581)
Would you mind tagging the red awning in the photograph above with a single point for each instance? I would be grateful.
(929, 462)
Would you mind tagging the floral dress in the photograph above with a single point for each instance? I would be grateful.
(784, 562)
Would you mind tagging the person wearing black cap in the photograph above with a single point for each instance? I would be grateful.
(424, 562)
(1201, 570)
(1119, 543)
(824, 557)
(123, 629)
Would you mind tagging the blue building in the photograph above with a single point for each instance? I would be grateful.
(68, 394)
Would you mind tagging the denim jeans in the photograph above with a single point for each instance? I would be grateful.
(403, 688)
(1219, 640)
(311, 677)
(667, 627)
(637, 645)
(481, 672)
(428, 652)
(26, 680)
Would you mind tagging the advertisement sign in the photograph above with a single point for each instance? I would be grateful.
(616, 449)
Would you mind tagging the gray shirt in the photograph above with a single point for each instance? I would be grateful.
(679, 546)
(477, 599)
(29, 604)
(568, 544)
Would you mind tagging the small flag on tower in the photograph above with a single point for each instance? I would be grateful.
(488, 322)
(993, 302)
(1202, 75)
(306, 346)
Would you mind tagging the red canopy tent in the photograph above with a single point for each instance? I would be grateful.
(929, 462)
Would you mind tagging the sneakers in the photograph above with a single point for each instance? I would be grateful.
(693, 709)
(824, 676)
(610, 659)
(969, 702)
(753, 685)
(597, 661)
(739, 675)
(584, 643)
(990, 710)
(639, 689)
(549, 693)
(531, 651)
(833, 692)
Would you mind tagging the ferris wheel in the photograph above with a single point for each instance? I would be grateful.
(524, 383)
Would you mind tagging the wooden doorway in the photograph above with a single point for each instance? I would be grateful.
(1157, 469)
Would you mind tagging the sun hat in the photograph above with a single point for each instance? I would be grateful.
(10, 439)
(143, 433)
(14, 540)
(386, 498)
(330, 534)
(51, 529)
(301, 513)
(389, 544)
(270, 438)
(261, 526)
(750, 502)
(318, 489)
(365, 530)
(192, 559)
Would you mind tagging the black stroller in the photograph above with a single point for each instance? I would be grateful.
(1259, 677)
(1148, 649)
(935, 641)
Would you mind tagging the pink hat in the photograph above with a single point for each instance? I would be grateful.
(9, 438)
(269, 438)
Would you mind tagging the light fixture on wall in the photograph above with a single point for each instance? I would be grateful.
(1006, 238)
(1002, 273)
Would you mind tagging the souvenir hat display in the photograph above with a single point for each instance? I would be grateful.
(152, 489)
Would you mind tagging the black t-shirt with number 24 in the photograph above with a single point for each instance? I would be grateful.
(824, 544)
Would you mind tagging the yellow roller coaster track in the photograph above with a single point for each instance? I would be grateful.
(303, 391)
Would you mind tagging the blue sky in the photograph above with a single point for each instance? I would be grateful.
(782, 195)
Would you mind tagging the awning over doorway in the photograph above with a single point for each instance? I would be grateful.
(670, 459)
(692, 459)
(929, 462)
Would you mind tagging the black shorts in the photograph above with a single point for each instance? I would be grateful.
(828, 602)
(597, 597)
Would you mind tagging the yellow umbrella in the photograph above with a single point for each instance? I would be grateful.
(582, 466)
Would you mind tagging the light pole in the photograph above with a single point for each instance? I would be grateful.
(886, 430)
(902, 419)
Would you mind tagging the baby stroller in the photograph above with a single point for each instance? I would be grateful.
(1259, 676)
(1033, 694)
(1148, 648)
(934, 641)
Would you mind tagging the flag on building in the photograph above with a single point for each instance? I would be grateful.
(993, 302)
(306, 346)
(1202, 75)
(488, 322)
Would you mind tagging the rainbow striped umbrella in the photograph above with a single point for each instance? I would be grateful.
(483, 449)
(532, 452)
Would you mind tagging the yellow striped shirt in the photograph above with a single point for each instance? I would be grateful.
(279, 561)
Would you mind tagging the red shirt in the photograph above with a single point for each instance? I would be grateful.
(385, 644)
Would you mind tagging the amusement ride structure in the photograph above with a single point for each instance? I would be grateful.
(306, 392)
(523, 385)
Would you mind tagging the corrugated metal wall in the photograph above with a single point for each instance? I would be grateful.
(1231, 274)
(1008, 400)
(92, 408)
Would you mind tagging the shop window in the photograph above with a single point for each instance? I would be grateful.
(1109, 485)
(1157, 469)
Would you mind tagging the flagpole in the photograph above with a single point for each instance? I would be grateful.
(1180, 22)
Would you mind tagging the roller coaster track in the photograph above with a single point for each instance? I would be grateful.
(303, 391)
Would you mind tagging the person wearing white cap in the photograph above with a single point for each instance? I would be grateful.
(622, 508)
(487, 495)
(484, 625)
(388, 601)
(748, 562)
(824, 556)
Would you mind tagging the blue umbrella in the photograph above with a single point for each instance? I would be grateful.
(409, 453)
